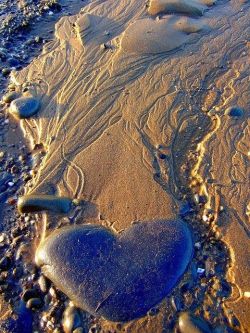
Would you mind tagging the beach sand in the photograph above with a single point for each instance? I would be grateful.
(135, 120)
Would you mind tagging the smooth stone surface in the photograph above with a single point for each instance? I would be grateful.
(24, 107)
(71, 319)
(235, 111)
(9, 97)
(37, 203)
(78, 330)
(6, 71)
(34, 303)
(119, 277)
(190, 324)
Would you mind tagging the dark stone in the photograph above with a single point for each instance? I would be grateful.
(162, 156)
(34, 303)
(235, 111)
(153, 312)
(6, 71)
(119, 277)
(24, 107)
(5, 263)
(30, 293)
(37, 203)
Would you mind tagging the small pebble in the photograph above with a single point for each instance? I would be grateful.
(24, 107)
(5, 263)
(205, 218)
(162, 156)
(71, 319)
(9, 97)
(2, 238)
(200, 270)
(34, 303)
(234, 111)
(30, 294)
(78, 330)
(197, 198)
(153, 312)
(191, 324)
(6, 71)
(197, 245)
(43, 284)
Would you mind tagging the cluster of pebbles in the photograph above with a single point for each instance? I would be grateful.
(25, 25)
(17, 15)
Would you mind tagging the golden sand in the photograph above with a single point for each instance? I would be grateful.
(118, 88)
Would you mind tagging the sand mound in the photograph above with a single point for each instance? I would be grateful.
(157, 36)
(188, 7)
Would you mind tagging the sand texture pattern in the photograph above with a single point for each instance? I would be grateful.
(126, 96)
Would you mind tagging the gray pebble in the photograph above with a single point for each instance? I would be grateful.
(191, 324)
(9, 97)
(24, 107)
(78, 330)
(71, 319)
(43, 284)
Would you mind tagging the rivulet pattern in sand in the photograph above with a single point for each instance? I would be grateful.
(126, 96)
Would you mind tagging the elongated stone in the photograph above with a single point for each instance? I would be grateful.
(36, 203)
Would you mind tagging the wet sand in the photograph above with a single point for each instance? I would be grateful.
(134, 121)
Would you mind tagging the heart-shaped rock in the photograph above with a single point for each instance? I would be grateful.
(119, 277)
